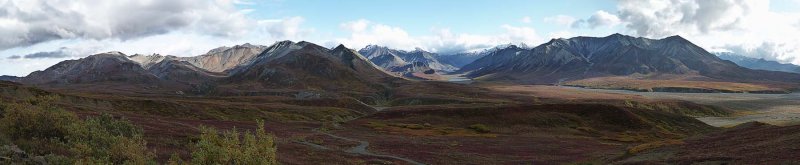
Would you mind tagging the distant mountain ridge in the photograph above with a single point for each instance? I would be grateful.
(394, 60)
(462, 59)
(305, 65)
(9, 78)
(758, 63)
(615, 55)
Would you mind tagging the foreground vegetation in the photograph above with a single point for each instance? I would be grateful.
(37, 131)
(229, 148)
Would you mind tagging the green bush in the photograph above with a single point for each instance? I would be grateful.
(175, 159)
(231, 148)
(480, 128)
(41, 128)
(13, 155)
(36, 119)
(104, 139)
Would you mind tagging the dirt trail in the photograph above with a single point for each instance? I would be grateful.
(361, 149)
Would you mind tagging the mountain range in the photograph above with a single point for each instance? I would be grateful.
(459, 60)
(417, 64)
(758, 63)
(304, 65)
(284, 65)
(616, 55)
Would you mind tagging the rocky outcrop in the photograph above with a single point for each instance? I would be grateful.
(225, 58)
(146, 61)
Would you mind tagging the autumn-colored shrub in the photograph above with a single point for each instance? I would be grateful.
(39, 127)
(230, 147)
(480, 128)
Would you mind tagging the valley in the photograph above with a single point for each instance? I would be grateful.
(775, 109)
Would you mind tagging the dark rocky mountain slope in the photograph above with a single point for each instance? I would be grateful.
(306, 65)
(615, 55)
(104, 67)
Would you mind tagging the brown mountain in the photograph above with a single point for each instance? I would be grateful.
(306, 65)
(104, 67)
(224, 58)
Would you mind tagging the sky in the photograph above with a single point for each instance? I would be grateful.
(37, 34)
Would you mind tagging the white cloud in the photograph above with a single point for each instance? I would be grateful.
(519, 34)
(797, 25)
(741, 26)
(285, 29)
(17, 68)
(243, 2)
(562, 20)
(598, 19)
(525, 19)
(602, 18)
(355, 26)
(660, 18)
(444, 41)
(561, 34)
(767, 50)
(364, 32)
(27, 22)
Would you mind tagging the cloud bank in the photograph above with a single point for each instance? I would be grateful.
(443, 40)
(27, 22)
(53, 54)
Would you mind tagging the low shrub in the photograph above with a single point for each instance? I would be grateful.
(41, 128)
(480, 128)
(104, 139)
(36, 119)
(229, 147)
